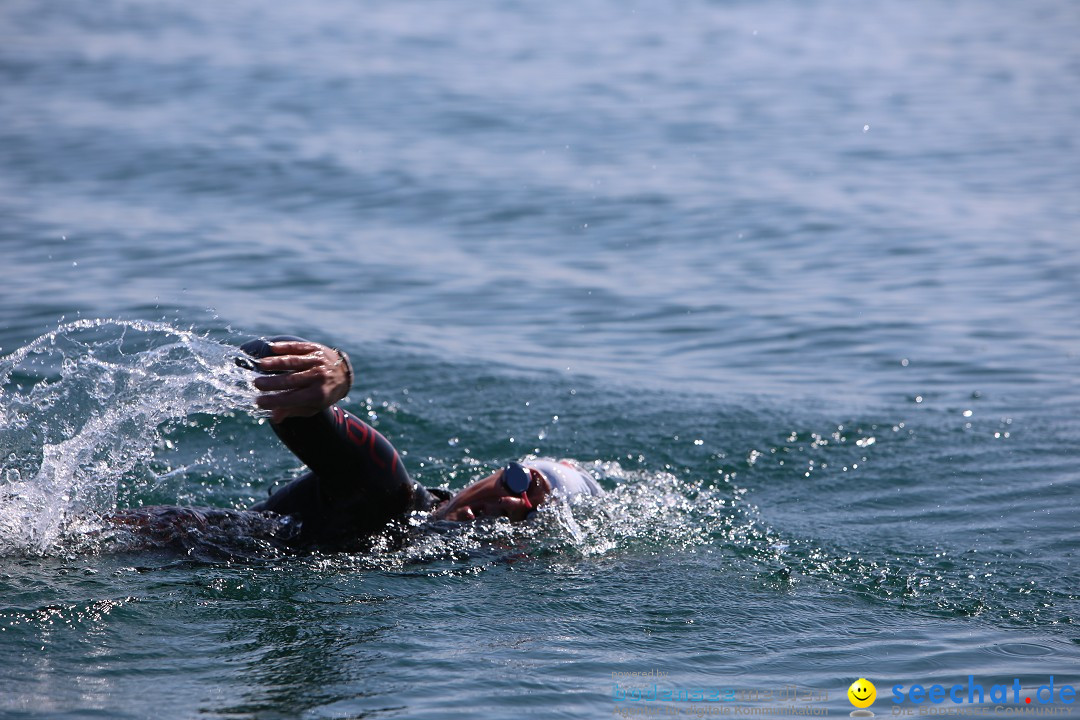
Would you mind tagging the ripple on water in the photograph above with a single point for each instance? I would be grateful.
(1020, 649)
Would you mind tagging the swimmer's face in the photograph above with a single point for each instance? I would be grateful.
(490, 498)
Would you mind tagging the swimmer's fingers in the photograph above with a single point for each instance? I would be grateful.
(304, 402)
(295, 347)
(321, 375)
(292, 355)
(303, 393)
(292, 363)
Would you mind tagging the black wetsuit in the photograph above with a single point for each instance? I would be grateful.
(356, 486)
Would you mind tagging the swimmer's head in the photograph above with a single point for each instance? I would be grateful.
(513, 492)
(567, 478)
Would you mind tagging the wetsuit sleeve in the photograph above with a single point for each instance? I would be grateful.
(357, 477)
(349, 457)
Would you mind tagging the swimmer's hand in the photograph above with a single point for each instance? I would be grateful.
(309, 378)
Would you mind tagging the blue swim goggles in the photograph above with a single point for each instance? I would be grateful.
(517, 479)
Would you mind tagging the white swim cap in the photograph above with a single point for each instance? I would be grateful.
(566, 479)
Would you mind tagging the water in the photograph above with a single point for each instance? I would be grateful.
(796, 281)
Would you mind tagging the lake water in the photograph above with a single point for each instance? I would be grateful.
(797, 281)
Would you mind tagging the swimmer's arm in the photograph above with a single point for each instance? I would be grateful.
(313, 378)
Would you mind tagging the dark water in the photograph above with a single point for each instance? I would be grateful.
(797, 281)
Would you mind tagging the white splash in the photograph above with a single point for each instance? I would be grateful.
(81, 407)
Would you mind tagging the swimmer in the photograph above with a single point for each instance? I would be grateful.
(356, 486)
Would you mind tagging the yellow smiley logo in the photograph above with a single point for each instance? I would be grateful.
(862, 693)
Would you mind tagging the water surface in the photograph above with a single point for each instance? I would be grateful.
(796, 281)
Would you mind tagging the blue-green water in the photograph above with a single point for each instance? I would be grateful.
(797, 281)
